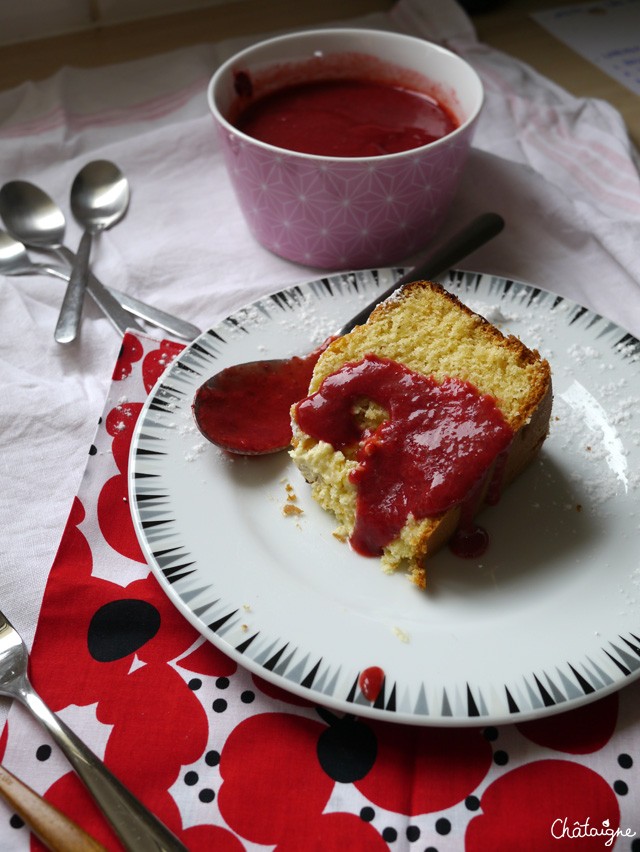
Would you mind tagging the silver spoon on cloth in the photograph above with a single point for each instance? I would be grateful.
(138, 829)
(224, 407)
(31, 216)
(14, 260)
(99, 199)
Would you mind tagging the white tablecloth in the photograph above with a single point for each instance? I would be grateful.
(560, 170)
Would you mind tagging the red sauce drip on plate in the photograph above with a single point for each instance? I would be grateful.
(370, 682)
(346, 118)
(245, 408)
(469, 542)
(430, 455)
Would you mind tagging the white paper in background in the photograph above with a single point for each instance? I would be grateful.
(607, 33)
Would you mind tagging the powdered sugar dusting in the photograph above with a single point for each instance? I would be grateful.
(296, 311)
(594, 428)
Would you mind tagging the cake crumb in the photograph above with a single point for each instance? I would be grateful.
(291, 509)
(402, 636)
(291, 494)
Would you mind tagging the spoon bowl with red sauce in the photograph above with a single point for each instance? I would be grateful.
(225, 406)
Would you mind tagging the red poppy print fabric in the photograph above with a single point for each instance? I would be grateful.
(233, 763)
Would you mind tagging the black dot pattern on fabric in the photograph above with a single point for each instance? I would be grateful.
(195, 684)
(93, 450)
(625, 761)
(472, 803)
(443, 826)
(222, 682)
(389, 835)
(191, 778)
(206, 795)
(347, 750)
(367, 814)
(212, 758)
(120, 628)
(219, 705)
(413, 833)
(16, 821)
(621, 788)
(43, 752)
(491, 734)
(501, 758)
(247, 697)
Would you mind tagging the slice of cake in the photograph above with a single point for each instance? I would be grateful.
(415, 421)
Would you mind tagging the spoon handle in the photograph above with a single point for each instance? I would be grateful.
(107, 303)
(138, 829)
(168, 322)
(71, 310)
(475, 234)
(161, 319)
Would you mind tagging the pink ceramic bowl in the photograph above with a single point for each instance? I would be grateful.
(345, 212)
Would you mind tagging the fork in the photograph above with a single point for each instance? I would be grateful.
(138, 829)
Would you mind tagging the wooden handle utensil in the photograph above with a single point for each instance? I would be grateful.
(50, 825)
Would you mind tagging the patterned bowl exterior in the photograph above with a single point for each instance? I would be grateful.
(346, 213)
(342, 213)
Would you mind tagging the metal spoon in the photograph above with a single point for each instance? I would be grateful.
(14, 260)
(32, 216)
(99, 199)
(224, 406)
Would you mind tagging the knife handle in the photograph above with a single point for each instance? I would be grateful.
(161, 319)
(54, 829)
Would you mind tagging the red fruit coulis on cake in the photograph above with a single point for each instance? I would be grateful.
(431, 454)
(345, 118)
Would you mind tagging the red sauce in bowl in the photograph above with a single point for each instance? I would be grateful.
(430, 455)
(344, 118)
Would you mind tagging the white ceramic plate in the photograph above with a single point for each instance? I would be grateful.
(547, 620)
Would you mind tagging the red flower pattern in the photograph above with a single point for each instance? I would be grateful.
(528, 808)
(580, 731)
(275, 760)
